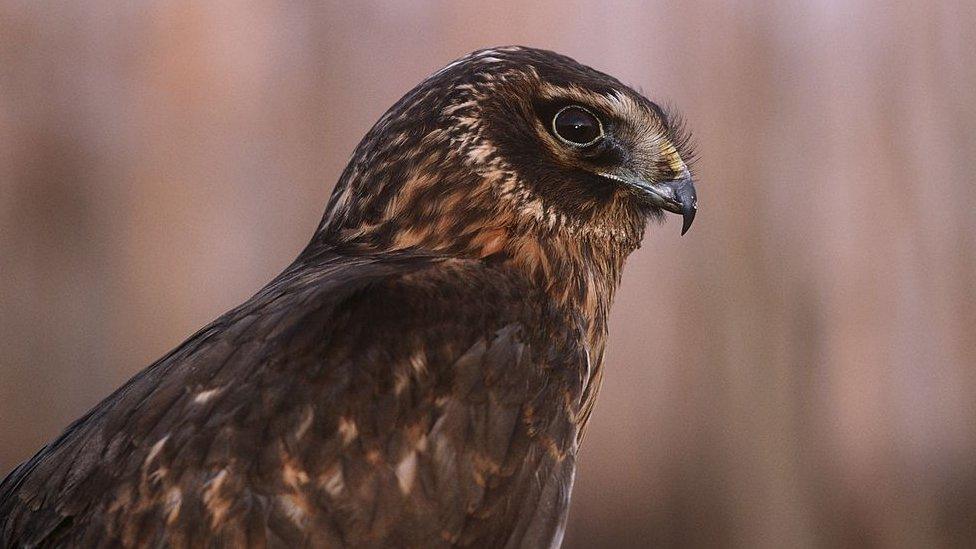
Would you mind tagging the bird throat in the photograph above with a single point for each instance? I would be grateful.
(577, 265)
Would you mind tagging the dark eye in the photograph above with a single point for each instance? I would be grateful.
(577, 126)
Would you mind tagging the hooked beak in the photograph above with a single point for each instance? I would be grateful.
(676, 195)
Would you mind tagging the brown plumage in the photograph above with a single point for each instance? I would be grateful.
(422, 374)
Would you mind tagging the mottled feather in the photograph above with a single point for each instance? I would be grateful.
(420, 376)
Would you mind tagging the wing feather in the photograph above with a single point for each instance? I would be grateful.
(360, 401)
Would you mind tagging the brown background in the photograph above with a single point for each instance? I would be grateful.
(797, 371)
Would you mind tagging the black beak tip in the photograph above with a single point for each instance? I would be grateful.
(689, 206)
(688, 217)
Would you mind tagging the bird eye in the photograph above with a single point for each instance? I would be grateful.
(577, 126)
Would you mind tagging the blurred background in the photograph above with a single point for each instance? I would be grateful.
(809, 379)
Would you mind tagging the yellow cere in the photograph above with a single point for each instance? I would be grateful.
(671, 155)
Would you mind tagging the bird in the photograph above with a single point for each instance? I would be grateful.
(423, 373)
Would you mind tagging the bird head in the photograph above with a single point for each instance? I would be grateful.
(512, 144)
